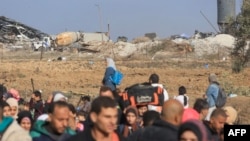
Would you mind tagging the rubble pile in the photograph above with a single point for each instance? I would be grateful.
(211, 45)
(201, 44)
(12, 31)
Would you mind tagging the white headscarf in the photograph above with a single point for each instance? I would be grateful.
(13, 103)
(110, 63)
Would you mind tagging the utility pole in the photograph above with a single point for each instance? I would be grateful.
(109, 31)
(100, 16)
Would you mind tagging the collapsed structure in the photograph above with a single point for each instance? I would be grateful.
(12, 31)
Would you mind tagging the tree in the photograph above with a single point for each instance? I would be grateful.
(241, 30)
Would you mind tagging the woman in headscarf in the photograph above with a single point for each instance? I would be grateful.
(232, 115)
(13, 107)
(110, 71)
(131, 124)
(25, 120)
(193, 130)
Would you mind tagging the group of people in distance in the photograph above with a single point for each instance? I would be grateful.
(106, 118)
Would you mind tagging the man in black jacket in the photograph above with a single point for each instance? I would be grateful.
(103, 115)
(37, 105)
(215, 125)
(165, 129)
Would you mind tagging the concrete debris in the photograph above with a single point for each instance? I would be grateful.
(212, 45)
(15, 35)
(12, 31)
(126, 49)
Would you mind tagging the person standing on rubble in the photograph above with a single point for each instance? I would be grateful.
(110, 71)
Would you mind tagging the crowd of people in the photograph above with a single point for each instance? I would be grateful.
(105, 118)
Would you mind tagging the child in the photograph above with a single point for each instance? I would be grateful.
(131, 124)
(182, 97)
(81, 116)
(80, 119)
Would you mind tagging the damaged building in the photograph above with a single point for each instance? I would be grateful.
(12, 31)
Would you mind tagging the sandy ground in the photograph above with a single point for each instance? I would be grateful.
(85, 77)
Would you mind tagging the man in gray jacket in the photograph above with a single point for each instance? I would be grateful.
(10, 129)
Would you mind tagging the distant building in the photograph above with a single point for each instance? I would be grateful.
(90, 37)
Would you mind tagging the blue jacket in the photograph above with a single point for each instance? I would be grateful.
(107, 78)
(212, 94)
(39, 133)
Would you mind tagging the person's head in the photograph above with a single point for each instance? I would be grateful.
(218, 119)
(37, 95)
(104, 114)
(172, 111)
(6, 108)
(142, 109)
(232, 115)
(192, 130)
(201, 106)
(154, 78)
(106, 91)
(13, 107)
(25, 120)
(59, 97)
(81, 116)
(72, 110)
(182, 90)
(149, 117)
(183, 98)
(58, 116)
(131, 115)
(86, 99)
(212, 78)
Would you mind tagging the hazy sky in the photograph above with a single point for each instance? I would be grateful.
(131, 18)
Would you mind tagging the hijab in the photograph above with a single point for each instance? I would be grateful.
(110, 63)
(232, 115)
(196, 126)
(134, 127)
(13, 103)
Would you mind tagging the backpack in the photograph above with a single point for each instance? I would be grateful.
(143, 94)
(221, 99)
(117, 77)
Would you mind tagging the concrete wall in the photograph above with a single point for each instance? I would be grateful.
(90, 37)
